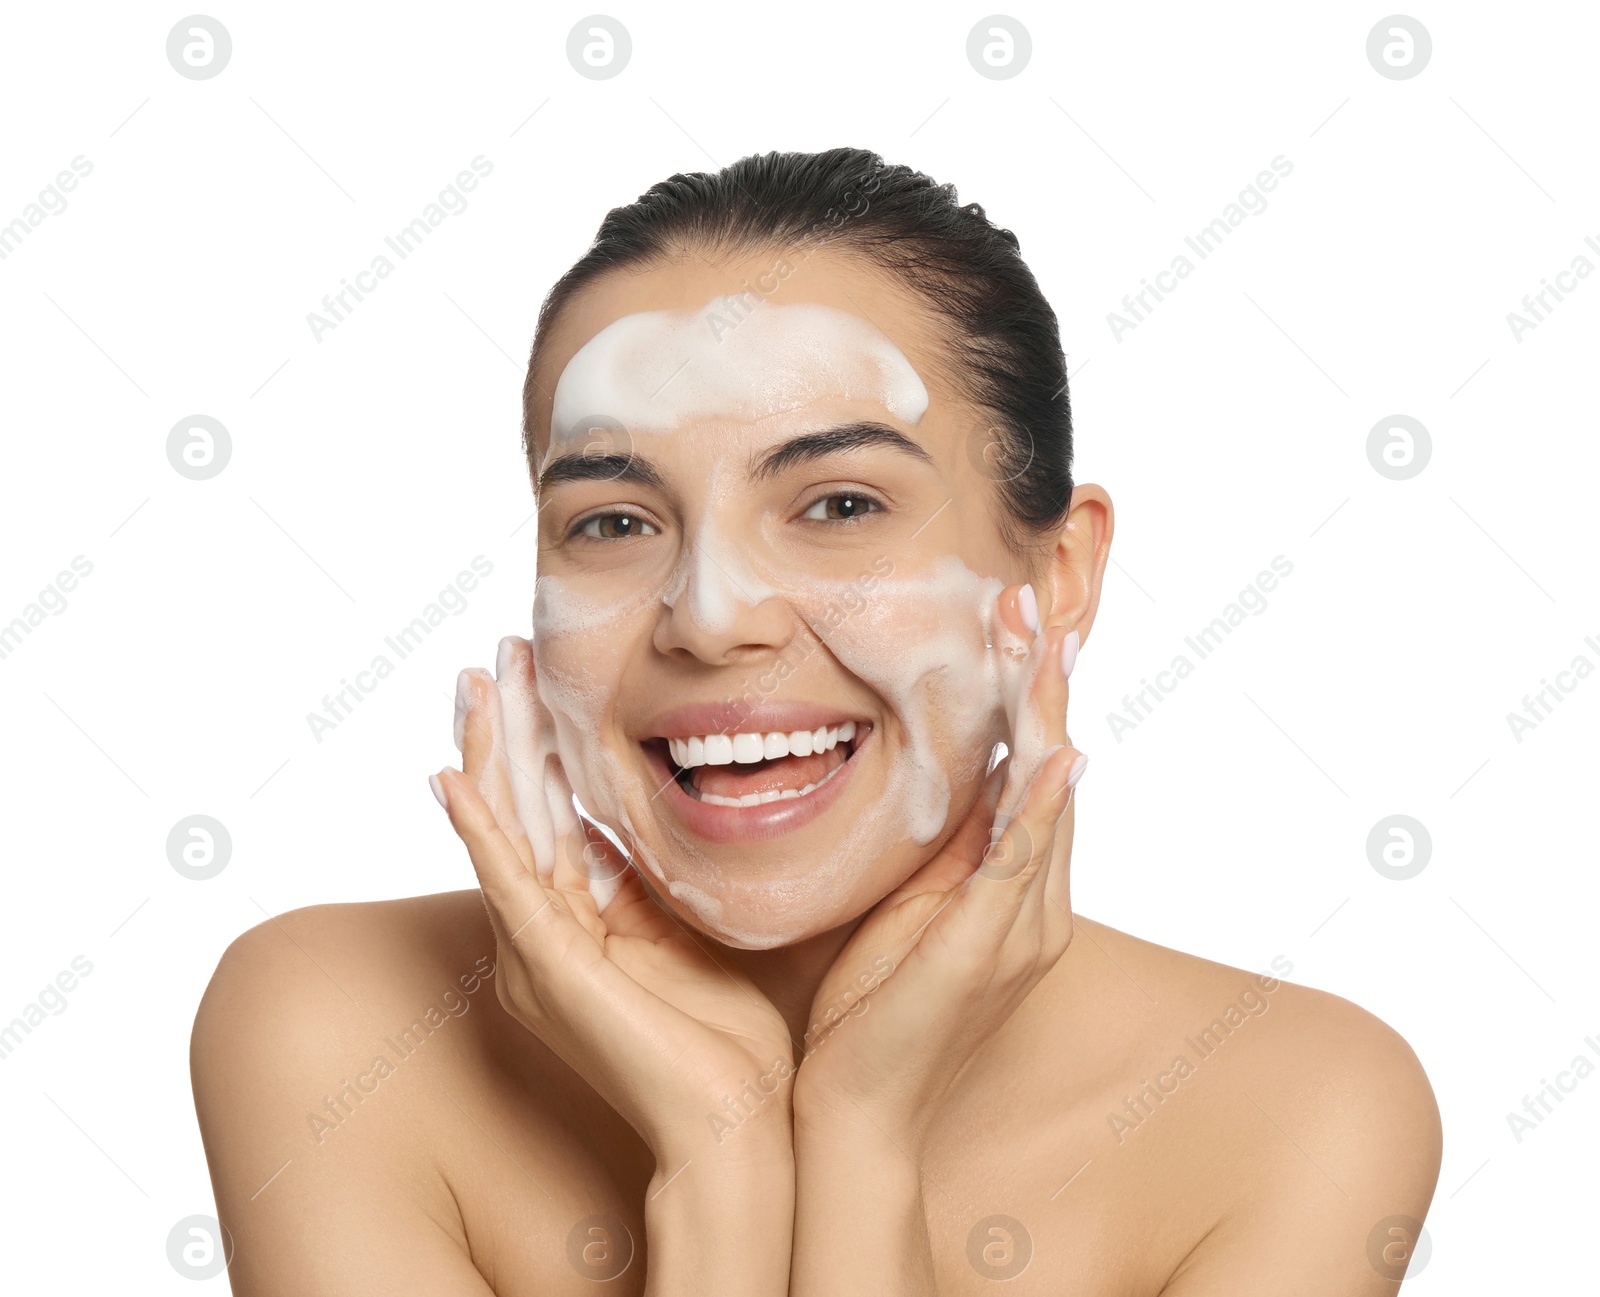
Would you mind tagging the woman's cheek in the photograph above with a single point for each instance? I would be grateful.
(579, 676)
(927, 641)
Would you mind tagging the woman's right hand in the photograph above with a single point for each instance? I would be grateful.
(624, 994)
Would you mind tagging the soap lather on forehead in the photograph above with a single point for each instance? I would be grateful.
(659, 370)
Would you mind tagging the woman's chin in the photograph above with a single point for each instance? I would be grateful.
(743, 928)
(764, 913)
(776, 873)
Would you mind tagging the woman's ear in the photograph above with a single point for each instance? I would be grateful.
(1078, 561)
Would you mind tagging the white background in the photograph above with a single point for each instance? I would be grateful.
(371, 466)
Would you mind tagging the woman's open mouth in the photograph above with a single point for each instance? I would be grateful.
(747, 785)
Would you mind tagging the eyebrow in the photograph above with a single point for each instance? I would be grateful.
(831, 441)
(600, 468)
(639, 471)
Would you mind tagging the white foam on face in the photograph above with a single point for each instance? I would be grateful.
(658, 371)
(714, 572)
(953, 679)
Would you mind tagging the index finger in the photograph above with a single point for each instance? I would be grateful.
(512, 889)
(1036, 702)
(567, 854)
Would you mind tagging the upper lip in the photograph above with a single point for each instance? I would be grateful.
(740, 718)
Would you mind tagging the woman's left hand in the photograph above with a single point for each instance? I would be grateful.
(938, 965)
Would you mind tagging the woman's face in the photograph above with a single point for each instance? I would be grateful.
(764, 621)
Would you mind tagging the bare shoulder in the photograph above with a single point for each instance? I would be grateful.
(1328, 1060)
(310, 1051)
(1311, 1121)
(418, 928)
(306, 983)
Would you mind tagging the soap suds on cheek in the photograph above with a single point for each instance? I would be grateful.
(576, 643)
(932, 647)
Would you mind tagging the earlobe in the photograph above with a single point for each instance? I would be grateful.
(1078, 562)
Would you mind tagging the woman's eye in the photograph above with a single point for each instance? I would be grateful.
(615, 526)
(841, 508)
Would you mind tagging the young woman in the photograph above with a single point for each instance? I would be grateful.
(798, 1004)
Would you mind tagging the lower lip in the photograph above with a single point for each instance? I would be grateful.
(751, 823)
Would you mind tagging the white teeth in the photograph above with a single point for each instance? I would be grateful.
(746, 749)
(760, 799)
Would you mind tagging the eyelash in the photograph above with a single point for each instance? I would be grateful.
(874, 504)
(580, 528)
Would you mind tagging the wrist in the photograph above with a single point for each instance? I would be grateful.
(850, 1185)
(842, 1136)
(839, 1127)
(745, 1135)
(720, 1226)
(710, 1180)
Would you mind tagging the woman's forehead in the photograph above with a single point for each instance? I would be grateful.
(741, 338)
(731, 359)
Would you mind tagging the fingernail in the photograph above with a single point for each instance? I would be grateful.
(502, 659)
(1028, 606)
(438, 790)
(1069, 652)
(463, 702)
(1076, 773)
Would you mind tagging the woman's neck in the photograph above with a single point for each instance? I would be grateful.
(790, 976)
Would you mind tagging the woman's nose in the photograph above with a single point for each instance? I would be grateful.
(718, 608)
